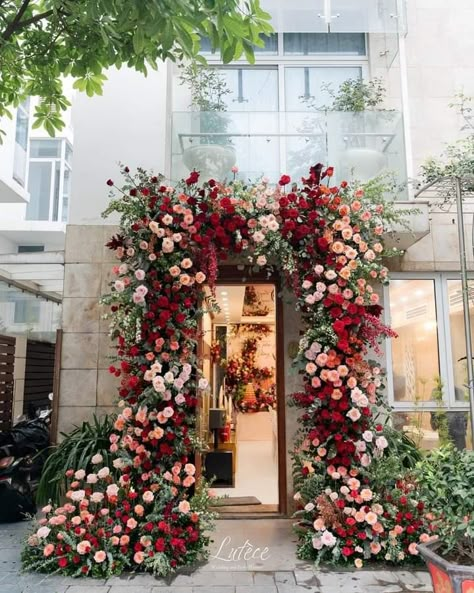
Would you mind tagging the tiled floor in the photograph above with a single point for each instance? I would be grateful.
(231, 568)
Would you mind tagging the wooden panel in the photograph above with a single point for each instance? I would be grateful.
(7, 360)
(39, 375)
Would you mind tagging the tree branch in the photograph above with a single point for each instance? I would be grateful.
(34, 19)
(14, 24)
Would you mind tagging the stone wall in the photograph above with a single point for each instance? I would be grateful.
(86, 386)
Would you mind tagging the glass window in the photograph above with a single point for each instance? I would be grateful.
(21, 141)
(458, 344)
(22, 119)
(39, 186)
(27, 310)
(310, 44)
(270, 47)
(57, 177)
(45, 149)
(252, 89)
(304, 87)
(415, 355)
(68, 155)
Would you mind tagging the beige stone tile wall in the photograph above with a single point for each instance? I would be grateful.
(86, 386)
(438, 251)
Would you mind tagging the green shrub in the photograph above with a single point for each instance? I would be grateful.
(75, 451)
(446, 485)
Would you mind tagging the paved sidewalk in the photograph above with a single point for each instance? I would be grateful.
(271, 567)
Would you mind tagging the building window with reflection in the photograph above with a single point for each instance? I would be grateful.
(49, 179)
(21, 142)
(427, 361)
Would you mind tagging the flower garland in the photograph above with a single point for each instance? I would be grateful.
(327, 242)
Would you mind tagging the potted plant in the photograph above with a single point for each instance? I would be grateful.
(446, 482)
(358, 99)
(212, 154)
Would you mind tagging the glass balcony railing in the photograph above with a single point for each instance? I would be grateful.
(359, 145)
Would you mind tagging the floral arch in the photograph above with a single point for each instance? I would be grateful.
(327, 243)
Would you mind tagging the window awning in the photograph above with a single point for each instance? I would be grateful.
(337, 16)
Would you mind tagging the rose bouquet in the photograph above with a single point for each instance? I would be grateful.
(106, 527)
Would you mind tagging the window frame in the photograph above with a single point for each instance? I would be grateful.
(63, 165)
(282, 62)
(446, 370)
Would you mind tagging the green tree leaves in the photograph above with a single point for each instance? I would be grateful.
(43, 41)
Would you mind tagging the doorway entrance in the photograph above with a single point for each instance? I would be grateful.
(242, 411)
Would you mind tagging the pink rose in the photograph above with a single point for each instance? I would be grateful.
(100, 556)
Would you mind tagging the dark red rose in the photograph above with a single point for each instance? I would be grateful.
(193, 178)
(110, 182)
(284, 180)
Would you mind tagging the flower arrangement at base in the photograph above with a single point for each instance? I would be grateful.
(327, 241)
(106, 527)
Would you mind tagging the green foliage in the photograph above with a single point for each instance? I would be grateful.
(439, 419)
(402, 448)
(208, 89)
(75, 451)
(445, 480)
(355, 94)
(44, 41)
(457, 159)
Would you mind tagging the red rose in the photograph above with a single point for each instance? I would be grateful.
(110, 182)
(193, 178)
(160, 545)
(346, 551)
(284, 180)
(62, 562)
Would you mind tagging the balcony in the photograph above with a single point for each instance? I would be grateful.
(359, 145)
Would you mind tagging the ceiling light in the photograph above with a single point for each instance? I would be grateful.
(224, 292)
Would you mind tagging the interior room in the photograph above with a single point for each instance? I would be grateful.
(239, 410)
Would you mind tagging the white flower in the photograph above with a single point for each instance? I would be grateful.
(381, 443)
(43, 532)
(103, 473)
(112, 490)
(328, 539)
(97, 458)
(368, 436)
(169, 377)
(97, 497)
(309, 506)
(80, 474)
(78, 495)
(203, 383)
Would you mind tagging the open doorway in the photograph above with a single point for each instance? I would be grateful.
(239, 416)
